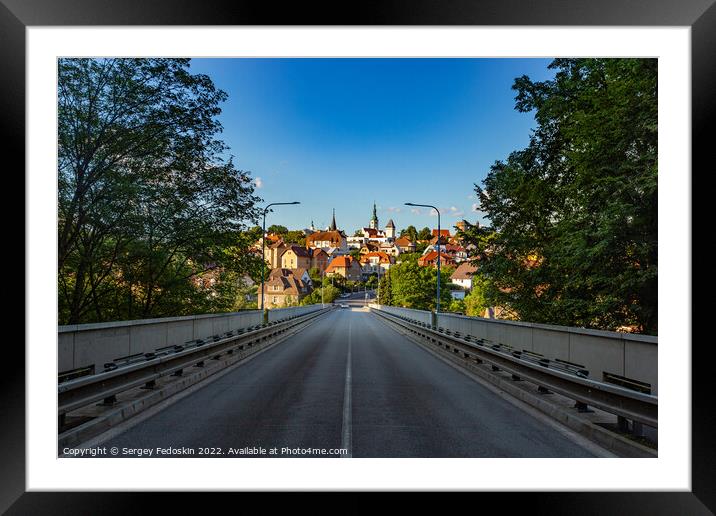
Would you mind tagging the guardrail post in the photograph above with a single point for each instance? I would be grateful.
(582, 408)
(433, 319)
(108, 401)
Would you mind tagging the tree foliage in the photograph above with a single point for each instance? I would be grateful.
(326, 294)
(574, 215)
(410, 232)
(151, 217)
(409, 285)
(425, 234)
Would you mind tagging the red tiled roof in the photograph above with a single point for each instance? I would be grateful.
(403, 242)
(340, 261)
(384, 257)
(432, 256)
(332, 236)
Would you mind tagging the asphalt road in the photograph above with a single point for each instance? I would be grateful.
(349, 381)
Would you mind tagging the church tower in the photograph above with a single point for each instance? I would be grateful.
(374, 220)
(390, 230)
(333, 226)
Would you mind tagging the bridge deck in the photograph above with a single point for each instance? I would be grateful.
(391, 399)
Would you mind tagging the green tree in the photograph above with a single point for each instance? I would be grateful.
(147, 205)
(277, 229)
(355, 254)
(372, 281)
(457, 306)
(475, 301)
(425, 234)
(410, 232)
(411, 286)
(315, 274)
(295, 237)
(574, 215)
(329, 292)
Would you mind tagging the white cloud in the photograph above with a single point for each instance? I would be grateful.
(393, 209)
(416, 211)
(476, 206)
(259, 182)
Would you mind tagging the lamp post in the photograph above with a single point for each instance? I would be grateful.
(263, 247)
(437, 300)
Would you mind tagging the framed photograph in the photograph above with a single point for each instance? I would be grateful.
(424, 239)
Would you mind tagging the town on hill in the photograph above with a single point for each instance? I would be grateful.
(317, 265)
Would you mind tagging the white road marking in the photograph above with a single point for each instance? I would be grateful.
(346, 439)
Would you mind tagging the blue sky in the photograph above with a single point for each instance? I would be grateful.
(343, 133)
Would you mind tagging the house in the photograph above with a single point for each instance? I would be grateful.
(373, 235)
(274, 251)
(370, 247)
(375, 263)
(433, 242)
(444, 233)
(296, 256)
(431, 259)
(327, 239)
(463, 275)
(299, 273)
(319, 259)
(389, 248)
(458, 252)
(405, 245)
(356, 242)
(344, 266)
(285, 287)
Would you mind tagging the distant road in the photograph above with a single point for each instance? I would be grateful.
(349, 381)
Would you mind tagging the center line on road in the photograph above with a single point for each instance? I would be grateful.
(346, 439)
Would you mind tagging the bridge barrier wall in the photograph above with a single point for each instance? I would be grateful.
(276, 314)
(624, 354)
(84, 345)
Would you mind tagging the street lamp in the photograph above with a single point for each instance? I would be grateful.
(437, 301)
(263, 247)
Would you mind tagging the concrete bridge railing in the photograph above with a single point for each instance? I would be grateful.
(624, 354)
(84, 345)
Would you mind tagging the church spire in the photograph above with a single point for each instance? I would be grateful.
(374, 220)
(333, 222)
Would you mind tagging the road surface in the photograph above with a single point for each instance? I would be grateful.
(348, 381)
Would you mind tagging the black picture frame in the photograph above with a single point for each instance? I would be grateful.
(700, 15)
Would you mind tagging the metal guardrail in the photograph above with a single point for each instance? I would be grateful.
(144, 369)
(562, 377)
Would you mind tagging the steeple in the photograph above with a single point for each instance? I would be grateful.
(333, 227)
(374, 220)
(313, 228)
